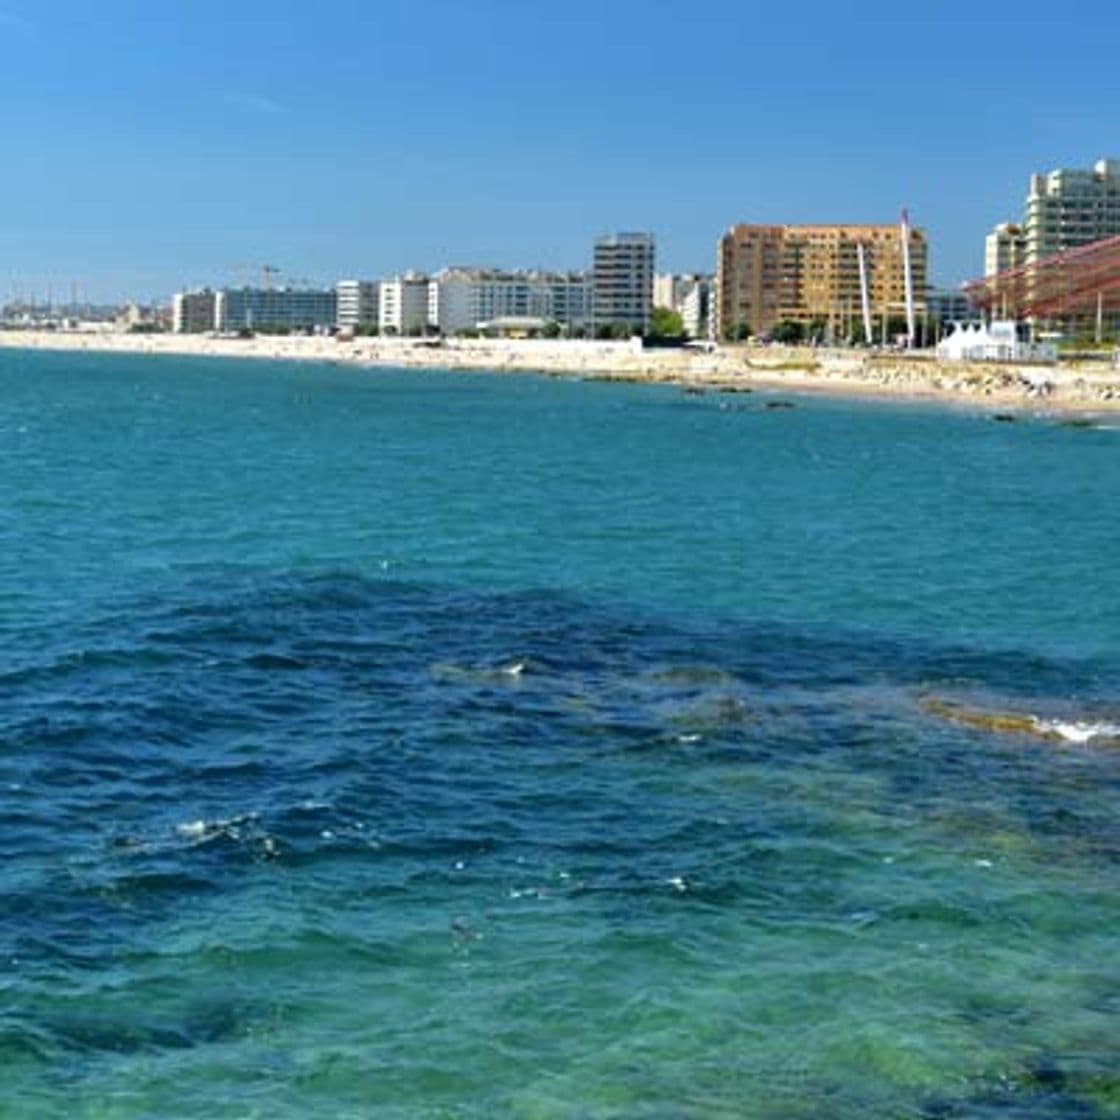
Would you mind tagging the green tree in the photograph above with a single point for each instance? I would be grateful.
(551, 329)
(788, 331)
(737, 332)
(896, 328)
(666, 323)
(613, 330)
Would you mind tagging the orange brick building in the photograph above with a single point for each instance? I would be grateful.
(810, 274)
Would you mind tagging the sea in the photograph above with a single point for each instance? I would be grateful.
(416, 744)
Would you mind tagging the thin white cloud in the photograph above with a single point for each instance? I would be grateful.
(254, 103)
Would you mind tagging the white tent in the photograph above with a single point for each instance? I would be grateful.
(992, 342)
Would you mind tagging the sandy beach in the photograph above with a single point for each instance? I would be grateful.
(1067, 387)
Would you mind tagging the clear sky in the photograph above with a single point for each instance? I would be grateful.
(148, 145)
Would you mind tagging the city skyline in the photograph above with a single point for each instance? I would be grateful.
(152, 151)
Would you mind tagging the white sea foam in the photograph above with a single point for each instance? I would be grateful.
(206, 830)
(192, 830)
(1078, 731)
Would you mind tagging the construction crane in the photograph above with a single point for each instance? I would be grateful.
(268, 273)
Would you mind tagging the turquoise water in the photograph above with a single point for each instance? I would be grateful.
(407, 744)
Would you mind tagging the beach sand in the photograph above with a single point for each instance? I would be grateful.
(1082, 387)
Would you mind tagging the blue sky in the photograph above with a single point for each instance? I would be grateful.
(148, 146)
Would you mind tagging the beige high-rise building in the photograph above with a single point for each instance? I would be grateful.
(810, 274)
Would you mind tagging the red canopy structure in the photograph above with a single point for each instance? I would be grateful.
(1080, 281)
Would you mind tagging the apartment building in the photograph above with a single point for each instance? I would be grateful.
(403, 304)
(1064, 209)
(1005, 247)
(1068, 207)
(461, 299)
(358, 303)
(194, 312)
(622, 281)
(275, 309)
(810, 274)
(688, 294)
(696, 308)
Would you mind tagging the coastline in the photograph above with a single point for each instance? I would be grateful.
(1088, 387)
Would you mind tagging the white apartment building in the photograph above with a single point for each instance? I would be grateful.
(1068, 208)
(462, 299)
(1005, 247)
(358, 303)
(403, 304)
(696, 308)
(689, 294)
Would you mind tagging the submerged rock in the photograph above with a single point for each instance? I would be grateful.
(979, 717)
(1021, 723)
